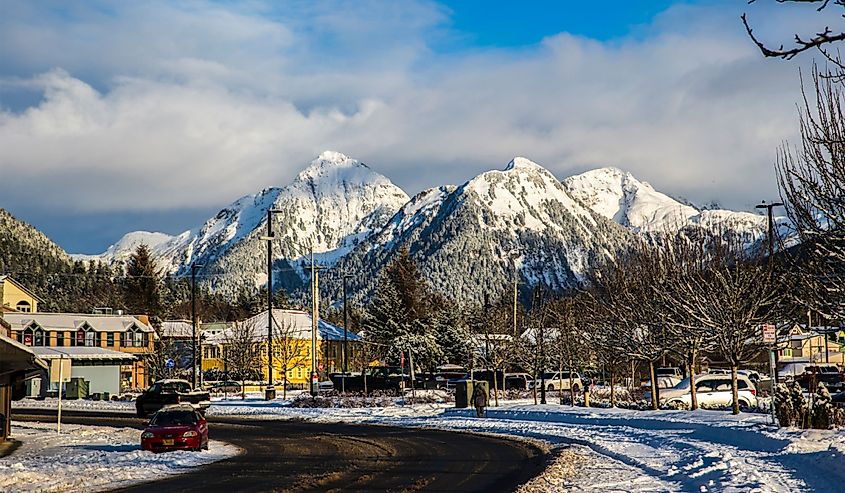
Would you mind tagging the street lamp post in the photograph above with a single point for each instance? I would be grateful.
(345, 348)
(771, 223)
(270, 392)
(194, 356)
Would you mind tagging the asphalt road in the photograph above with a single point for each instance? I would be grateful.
(299, 456)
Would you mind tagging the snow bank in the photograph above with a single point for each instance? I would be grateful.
(91, 458)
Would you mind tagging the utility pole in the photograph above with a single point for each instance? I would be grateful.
(270, 391)
(345, 348)
(315, 316)
(194, 358)
(514, 254)
(773, 358)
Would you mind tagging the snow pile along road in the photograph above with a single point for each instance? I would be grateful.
(91, 458)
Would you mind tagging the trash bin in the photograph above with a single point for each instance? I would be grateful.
(77, 388)
(463, 393)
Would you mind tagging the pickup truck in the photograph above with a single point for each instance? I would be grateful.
(169, 392)
(378, 378)
(829, 375)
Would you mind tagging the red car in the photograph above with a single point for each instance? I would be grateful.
(178, 427)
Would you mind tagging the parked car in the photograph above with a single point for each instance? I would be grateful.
(325, 386)
(167, 392)
(178, 427)
(667, 378)
(516, 381)
(711, 390)
(752, 375)
(225, 387)
(558, 381)
(378, 378)
(445, 373)
(791, 370)
(829, 375)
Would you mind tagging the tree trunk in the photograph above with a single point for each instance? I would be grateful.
(495, 387)
(691, 370)
(612, 390)
(734, 390)
(571, 387)
(655, 405)
(243, 389)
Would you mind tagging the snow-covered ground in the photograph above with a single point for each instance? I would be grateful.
(625, 450)
(91, 458)
(618, 449)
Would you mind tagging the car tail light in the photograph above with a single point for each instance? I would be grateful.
(753, 392)
(147, 434)
(190, 434)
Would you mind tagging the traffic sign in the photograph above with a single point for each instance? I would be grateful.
(769, 334)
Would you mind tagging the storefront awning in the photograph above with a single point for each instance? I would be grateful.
(17, 358)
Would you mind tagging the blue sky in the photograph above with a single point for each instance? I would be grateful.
(122, 116)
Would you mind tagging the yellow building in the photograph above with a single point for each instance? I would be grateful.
(292, 355)
(15, 297)
(814, 345)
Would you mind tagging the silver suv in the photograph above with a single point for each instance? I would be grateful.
(558, 381)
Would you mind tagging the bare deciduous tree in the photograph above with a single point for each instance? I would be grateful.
(290, 350)
(243, 352)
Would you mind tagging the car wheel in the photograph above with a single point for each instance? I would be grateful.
(743, 404)
(575, 388)
(550, 387)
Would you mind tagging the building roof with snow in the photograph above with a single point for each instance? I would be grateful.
(295, 324)
(82, 353)
(75, 321)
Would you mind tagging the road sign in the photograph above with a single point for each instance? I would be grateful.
(769, 334)
(60, 370)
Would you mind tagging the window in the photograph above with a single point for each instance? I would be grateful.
(60, 338)
(90, 338)
(23, 306)
(80, 337)
(126, 339)
(138, 337)
(38, 337)
(109, 339)
(27, 336)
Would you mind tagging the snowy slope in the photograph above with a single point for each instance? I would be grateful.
(462, 236)
(120, 251)
(619, 196)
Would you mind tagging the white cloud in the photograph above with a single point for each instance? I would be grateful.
(165, 106)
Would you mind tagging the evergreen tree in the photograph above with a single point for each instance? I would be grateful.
(142, 292)
(453, 335)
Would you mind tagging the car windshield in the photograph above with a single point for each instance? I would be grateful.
(666, 371)
(174, 418)
(176, 387)
(683, 384)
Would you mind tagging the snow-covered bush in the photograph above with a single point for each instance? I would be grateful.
(822, 414)
(784, 411)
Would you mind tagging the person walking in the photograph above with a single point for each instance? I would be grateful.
(479, 399)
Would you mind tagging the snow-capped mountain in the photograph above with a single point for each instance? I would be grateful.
(617, 195)
(463, 237)
(120, 251)
(330, 205)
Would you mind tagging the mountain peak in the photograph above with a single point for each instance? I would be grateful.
(332, 157)
(522, 163)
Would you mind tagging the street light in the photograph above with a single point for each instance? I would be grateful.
(763, 205)
(270, 392)
(769, 207)
(197, 355)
